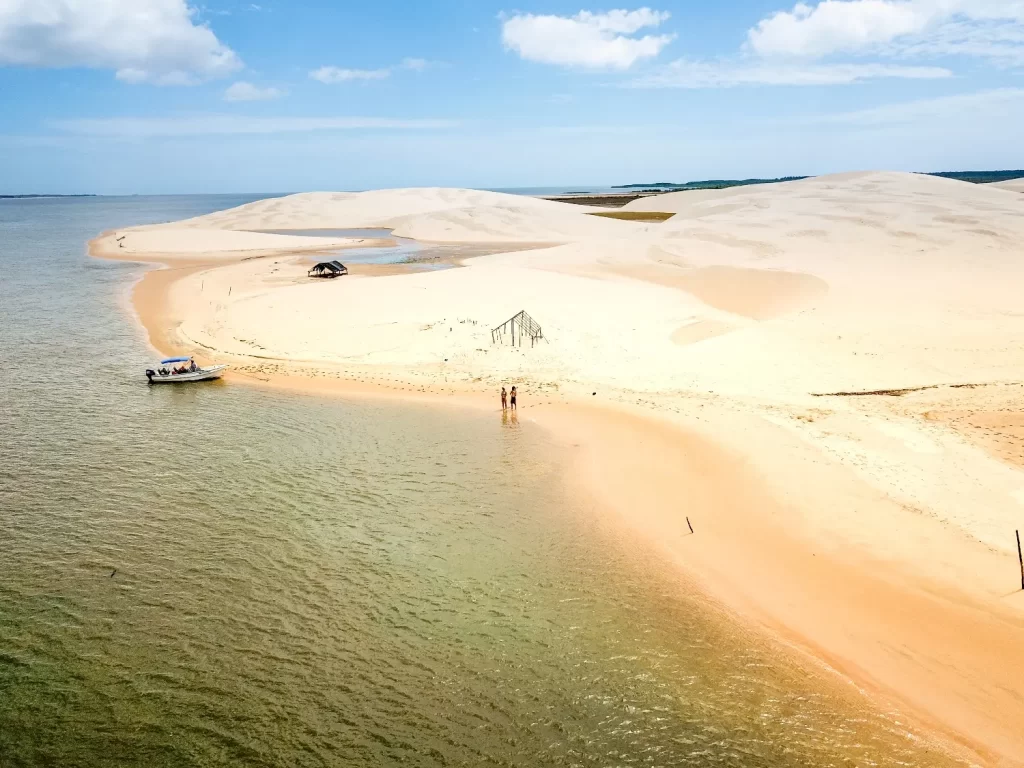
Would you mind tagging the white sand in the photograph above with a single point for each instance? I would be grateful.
(1014, 185)
(222, 244)
(771, 293)
(376, 208)
(731, 317)
(439, 215)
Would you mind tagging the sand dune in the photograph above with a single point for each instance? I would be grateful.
(678, 202)
(837, 333)
(377, 208)
(434, 214)
(1013, 185)
(509, 224)
(857, 282)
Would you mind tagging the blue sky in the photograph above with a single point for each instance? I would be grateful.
(154, 96)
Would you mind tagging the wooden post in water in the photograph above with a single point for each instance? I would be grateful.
(688, 524)
(1020, 558)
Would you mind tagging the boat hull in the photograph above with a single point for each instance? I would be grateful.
(191, 377)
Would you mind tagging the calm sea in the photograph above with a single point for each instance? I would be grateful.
(219, 575)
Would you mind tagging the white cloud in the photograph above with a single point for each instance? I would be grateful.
(208, 125)
(836, 26)
(1001, 42)
(685, 73)
(803, 46)
(243, 91)
(201, 10)
(331, 75)
(153, 41)
(416, 65)
(893, 26)
(587, 40)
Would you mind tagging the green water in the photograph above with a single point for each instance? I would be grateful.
(311, 582)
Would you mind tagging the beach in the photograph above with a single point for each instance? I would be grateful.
(824, 376)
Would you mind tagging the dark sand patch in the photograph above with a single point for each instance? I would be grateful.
(653, 217)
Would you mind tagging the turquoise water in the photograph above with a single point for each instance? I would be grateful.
(218, 575)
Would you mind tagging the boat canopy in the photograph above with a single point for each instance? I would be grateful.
(175, 360)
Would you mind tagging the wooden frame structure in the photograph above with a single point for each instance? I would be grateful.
(527, 326)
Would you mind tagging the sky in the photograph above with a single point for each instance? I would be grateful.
(164, 96)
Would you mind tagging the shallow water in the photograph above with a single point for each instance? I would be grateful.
(404, 251)
(217, 575)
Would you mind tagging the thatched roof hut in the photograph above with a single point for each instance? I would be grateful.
(328, 269)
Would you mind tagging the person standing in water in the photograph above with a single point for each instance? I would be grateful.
(512, 400)
(504, 399)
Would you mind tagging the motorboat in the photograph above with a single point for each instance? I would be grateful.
(182, 370)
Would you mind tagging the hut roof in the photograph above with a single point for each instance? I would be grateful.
(329, 266)
(329, 269)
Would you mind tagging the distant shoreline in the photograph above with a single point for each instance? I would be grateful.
(615, 195)
(973, 177)
(37, 197)
(668, 186)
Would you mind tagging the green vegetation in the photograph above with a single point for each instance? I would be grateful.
(980, 177)
(649, 216)
(974, 177)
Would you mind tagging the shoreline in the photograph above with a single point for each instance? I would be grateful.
(752, 567)
(869, 615)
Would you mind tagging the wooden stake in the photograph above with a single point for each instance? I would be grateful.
(1020, 558)
(691, 527)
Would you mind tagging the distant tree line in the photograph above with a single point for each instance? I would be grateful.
(668, 186)
(975, 177)
(31, 197)
(980, 177)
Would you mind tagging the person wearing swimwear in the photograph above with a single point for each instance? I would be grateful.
(512, 399)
